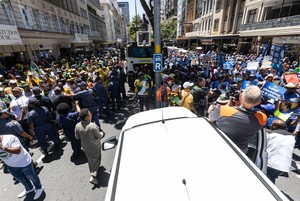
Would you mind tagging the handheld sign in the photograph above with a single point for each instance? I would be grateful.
(272, 91)
(245, 84)
(157, 59)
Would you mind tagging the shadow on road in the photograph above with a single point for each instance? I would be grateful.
(30, 196)
(103, 178)
(55, 155)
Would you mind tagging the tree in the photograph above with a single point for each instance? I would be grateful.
(134, 26)
(168, 30)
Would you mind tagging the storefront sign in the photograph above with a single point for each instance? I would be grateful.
(9, 35)
(287, 40)
(81, 37)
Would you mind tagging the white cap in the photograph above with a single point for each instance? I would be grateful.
(187, 84)
(12, 81)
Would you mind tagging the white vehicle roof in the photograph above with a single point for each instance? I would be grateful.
(153, 159)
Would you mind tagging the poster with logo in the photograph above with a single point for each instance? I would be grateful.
(272, 91)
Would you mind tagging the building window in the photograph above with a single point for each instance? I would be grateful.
(218, 5)
(8, 14)
(47, 22)
(252, 16)
(25, 13)
(216, 25)
(37, 19)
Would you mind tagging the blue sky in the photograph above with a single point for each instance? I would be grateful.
(140, 9)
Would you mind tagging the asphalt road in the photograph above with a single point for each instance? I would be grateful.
(65, 180)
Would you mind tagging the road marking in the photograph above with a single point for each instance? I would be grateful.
(298, 176)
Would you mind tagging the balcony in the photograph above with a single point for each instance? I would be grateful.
(196, 34)
(274, 23)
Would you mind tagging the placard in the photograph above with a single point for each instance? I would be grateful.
(272, 91)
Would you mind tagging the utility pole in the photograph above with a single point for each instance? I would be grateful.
(157, 43)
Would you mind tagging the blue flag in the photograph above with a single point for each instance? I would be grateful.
(264, 53)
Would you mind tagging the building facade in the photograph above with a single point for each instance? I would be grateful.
(171, 8)
(115, 25)
(238, 25)
(124, 6)
(31, 29)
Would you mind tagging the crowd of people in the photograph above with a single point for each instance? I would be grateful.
(233, 98)
(37, 101)
(40, 101)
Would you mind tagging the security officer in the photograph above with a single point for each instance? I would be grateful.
(40, 124)
(9, 125)
(86, 99)
(67, 120)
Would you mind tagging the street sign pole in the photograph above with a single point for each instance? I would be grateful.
(157, 45)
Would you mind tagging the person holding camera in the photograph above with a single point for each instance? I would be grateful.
(241, 123)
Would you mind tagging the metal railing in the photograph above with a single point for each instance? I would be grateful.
(274, 23)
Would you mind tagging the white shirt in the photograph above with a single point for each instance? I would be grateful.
(280, 151)
(14, 160)
(17, 104)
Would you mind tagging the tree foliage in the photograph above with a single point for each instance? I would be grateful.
(134, 26)
(168, 30)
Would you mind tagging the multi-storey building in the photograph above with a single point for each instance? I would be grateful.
(238, 25)
(271, 20)
(114, 21)
(124, 6)
(171, 9)
(30, 29)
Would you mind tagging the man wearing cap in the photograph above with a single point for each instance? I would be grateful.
(199, 92)
(102, 96)
(61, 98)
(5, 97)
(86, 99)
(19, 107)
(20, 166)
(291, 91)
(187, 97)
(40, 124)
(27, 91)
(241, 124)
(31, 80)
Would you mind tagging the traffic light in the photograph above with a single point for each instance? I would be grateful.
(143, 38)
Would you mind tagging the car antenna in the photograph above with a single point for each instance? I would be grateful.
(162, 114)
(187, 192)
(163, 94)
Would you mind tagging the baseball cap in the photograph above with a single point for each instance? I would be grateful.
(187, 84)
(33, 100)
(269, 107)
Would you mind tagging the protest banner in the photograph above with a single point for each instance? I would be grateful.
(272, 91)
(252, 66)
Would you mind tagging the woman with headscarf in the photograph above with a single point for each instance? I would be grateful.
(89, 134)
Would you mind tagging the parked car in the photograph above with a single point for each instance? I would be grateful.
(170, 154)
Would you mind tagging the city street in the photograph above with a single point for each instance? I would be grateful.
(65, 180)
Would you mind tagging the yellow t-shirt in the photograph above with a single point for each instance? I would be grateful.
(188, 100)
